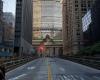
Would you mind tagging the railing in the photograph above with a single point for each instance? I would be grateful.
(9, 65)
(92, 62)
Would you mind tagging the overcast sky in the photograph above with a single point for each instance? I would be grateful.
(9, 6)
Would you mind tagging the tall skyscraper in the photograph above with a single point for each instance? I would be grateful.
(91, 25)
(23, 26)
(1, 21)
(1, 8)
(8, 17)
(95, 11)
(73, 11)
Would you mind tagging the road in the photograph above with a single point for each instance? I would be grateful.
(53, 69)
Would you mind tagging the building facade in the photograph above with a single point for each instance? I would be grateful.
(46, 13)
(1, 21)
(95, 12)
(23, 27)
(87, 28)
(9, 26)
(6, 45)
(1, 8)
(91, 25)
(9, 18)
(73, 11)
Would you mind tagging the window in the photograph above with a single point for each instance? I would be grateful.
(84, 9)
(76, 5)
(76, 9)
(76, 1)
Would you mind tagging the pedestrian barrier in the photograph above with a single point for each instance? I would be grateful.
(92, 62)
(15, 63)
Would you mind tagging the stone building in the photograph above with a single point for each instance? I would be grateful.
(73, 11)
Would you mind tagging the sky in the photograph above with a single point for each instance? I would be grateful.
(9, 6)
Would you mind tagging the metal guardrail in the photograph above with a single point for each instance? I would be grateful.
(89, 62)
(13, 64)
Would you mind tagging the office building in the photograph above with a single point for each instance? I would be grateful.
(95, 11)
(8, 32)
(23, 27)
(8, 17)
(9, 26)
(91, 25)
(6, 47)
(1, 21)
(1, 8)
(73, 11)
(86, 27)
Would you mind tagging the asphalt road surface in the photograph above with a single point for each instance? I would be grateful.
(53, 69)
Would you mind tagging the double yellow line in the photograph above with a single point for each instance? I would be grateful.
(49, 72)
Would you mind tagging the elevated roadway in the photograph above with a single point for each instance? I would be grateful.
(53, 69)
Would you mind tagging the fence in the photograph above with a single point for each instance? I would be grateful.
(11, 64)
(90, 61)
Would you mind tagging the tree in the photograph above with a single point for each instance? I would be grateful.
(90, 50)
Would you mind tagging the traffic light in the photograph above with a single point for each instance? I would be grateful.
(41, 48)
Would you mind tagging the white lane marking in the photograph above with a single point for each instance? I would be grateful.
(30, 68)
(73, 78)
(62, 69)
(16, 78)
(66, 78)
